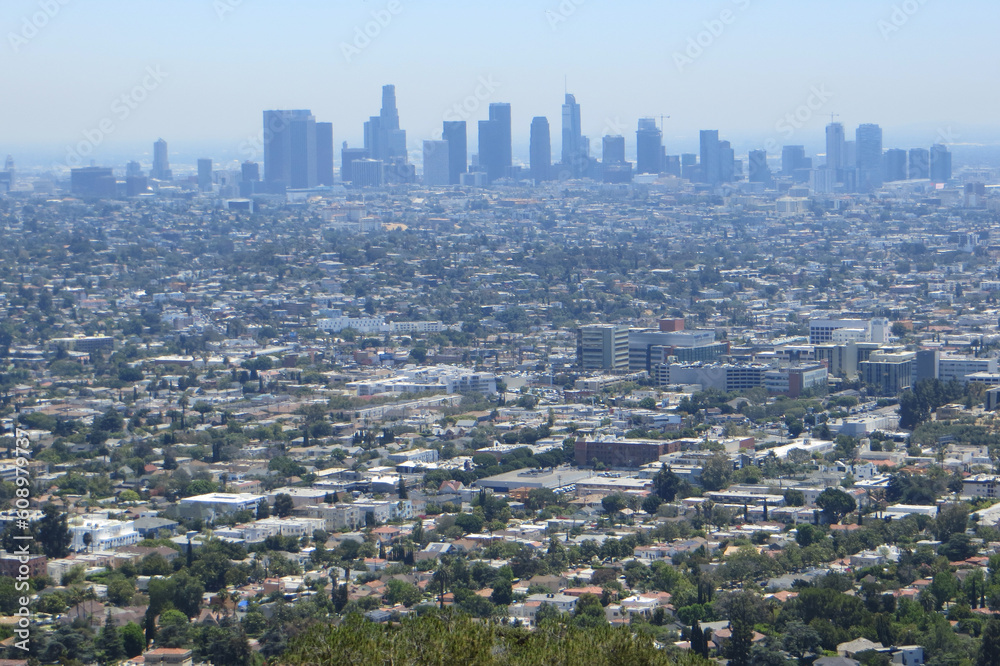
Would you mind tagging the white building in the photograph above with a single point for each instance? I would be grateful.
(221, 503)
(446, 378)
(104, 534)
(981, 485)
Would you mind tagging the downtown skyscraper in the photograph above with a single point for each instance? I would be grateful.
(868, 144)
(649, 155)
(455, 133)
(495, 148)
(161, 164)
(289, 150)
(386, 142)
(575, 147)
(540, 149)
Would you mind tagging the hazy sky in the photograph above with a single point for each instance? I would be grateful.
(199, 72)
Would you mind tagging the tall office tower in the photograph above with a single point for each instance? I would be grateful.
(500, 114)
(458, 149)
(250, 171)
(575, 150)
(289, 149)
(385, 141)
(648, 147)
(133, 170)
(850, 157)
(94, 182)
(367, 173)
(436, 165)
(490, 150)
(602, 347)
(792, 158)
(895, 165)
(919, 167)
(204, 175)
(835, 138)
(613, 150)
(249, 178)
(689, 166)
(940, 166)
(540, 149)
(759, 171)
(348, 156)
(711, 162)
(614, 168)
(161, 165)
(727, 162)
(324, 154)
(869, 156)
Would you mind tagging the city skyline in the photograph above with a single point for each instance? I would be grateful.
(689, 63)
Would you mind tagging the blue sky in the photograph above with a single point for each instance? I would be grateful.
(920, 69)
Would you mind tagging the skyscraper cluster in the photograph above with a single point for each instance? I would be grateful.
(862, 165)
(298, 151)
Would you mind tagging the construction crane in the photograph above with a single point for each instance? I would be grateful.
(661, 121)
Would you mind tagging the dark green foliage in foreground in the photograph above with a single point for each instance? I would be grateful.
(456, 639)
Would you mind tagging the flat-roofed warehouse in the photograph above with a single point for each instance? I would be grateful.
(551, 478)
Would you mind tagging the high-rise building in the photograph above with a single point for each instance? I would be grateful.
(500, 113)
(133, 169)
(348, 156)
(835, 138)
(385, 141)
(613, 150)
(249, 178)
(689, 166)
(614, 168)
(250, 171)
(919, 164)
(711, 159)
(540, 149)
(367, 172)
(895, 165)
(602, 347)
(454, 133)
(205, 175)
(792, 158)
(495, 151)
(869, 156)
(575, 150)
(648, 147)
(324, 154)
(289, 149)
(759, 171)
(940, 166)
(436, 166)
(92, 182)
(161, 165)
(727, 162)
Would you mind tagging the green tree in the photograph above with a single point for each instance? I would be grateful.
(800, 640)
(716, 472)
(283, 505)
(989, 648)
(53, 532)
(133, 640)
(110, 642)
(743, 611)
(835, 504)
